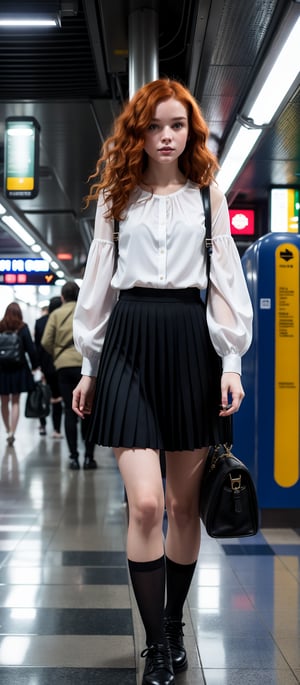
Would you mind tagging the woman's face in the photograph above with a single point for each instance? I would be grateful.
(165, 138)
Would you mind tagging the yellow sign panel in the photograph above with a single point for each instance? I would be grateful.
(286, 410)
(14, 183)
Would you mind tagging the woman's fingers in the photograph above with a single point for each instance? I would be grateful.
(232, 393)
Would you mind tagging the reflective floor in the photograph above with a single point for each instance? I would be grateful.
(67, 615)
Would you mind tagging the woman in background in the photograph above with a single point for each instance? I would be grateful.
(14, 381)
(46, 364)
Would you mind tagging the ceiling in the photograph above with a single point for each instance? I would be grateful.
(74, 78)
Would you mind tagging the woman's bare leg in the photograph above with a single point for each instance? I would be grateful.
(184, 472)
(5, 411)
(140, 470)
(141, 474)
(15, 412)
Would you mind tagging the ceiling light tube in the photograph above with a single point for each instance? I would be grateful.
(18, 229)
(281, 77)
(278, 75)
(28, 20)
(46, 256)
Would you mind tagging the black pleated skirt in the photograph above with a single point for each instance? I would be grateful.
(15, 381)
(158, 383)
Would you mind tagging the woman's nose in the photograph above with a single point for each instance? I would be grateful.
(166, 134)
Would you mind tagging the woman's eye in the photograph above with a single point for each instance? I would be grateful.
(178, 124)
(152, 127)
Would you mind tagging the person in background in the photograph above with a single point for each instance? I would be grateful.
(57, 340)
(152, 352)
(14, 381)
(49, 371)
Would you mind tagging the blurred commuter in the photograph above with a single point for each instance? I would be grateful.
(49, 371)
(57, 340)
(15, 380)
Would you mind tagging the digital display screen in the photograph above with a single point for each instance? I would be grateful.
(29, 271)
(21, 157)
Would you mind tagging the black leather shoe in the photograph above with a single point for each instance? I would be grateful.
(174, 634)
(158, 669)
(74, 464)
(90, 463)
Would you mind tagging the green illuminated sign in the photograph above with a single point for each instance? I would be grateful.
(21, 157)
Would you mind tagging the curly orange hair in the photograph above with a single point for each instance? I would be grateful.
(120, 167)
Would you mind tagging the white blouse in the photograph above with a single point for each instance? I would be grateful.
(161, 245)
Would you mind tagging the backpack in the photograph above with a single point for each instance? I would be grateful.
(11, 350)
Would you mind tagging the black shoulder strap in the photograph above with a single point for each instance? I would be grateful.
(116, 241)
(205, 192)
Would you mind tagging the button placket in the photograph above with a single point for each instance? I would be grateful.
(162, 240)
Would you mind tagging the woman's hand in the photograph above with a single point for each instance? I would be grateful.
(231, 383)
(83, 396)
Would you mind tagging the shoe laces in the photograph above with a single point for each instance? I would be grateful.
(157, 653)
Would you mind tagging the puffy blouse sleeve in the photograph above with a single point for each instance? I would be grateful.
(96, 296)
(229, 309)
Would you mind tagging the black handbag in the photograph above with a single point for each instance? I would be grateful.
(37, 404)
(228, 501)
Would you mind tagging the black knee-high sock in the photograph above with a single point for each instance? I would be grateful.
(179, 577)
(148, 582)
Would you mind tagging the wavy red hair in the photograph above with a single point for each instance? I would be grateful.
(122, 162)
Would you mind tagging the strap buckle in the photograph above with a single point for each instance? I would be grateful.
(209, 245)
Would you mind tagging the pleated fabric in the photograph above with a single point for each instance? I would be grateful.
(158, 383)
(15, 381)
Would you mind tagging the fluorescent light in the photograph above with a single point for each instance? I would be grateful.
(54, 265)
(36, 247)
(35, 21)
(60, 274)
(273, 83)
(18, 229)
(28, 22)
(240, 149)
(280, 79)
(2, 209)
(46, 256)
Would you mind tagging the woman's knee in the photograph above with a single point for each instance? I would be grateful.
(181, 512)
(147, 510)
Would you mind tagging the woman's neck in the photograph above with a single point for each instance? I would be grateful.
(163, 180)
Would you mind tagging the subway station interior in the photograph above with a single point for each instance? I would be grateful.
(67, 610)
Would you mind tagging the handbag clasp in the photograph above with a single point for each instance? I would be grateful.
(236, 483)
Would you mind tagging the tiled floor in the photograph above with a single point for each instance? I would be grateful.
(67, 615)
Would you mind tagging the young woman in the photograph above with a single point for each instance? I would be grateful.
(159, 384)
(14, 381)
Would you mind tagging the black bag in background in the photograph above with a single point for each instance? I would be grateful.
(38, 401)
(11, 350)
